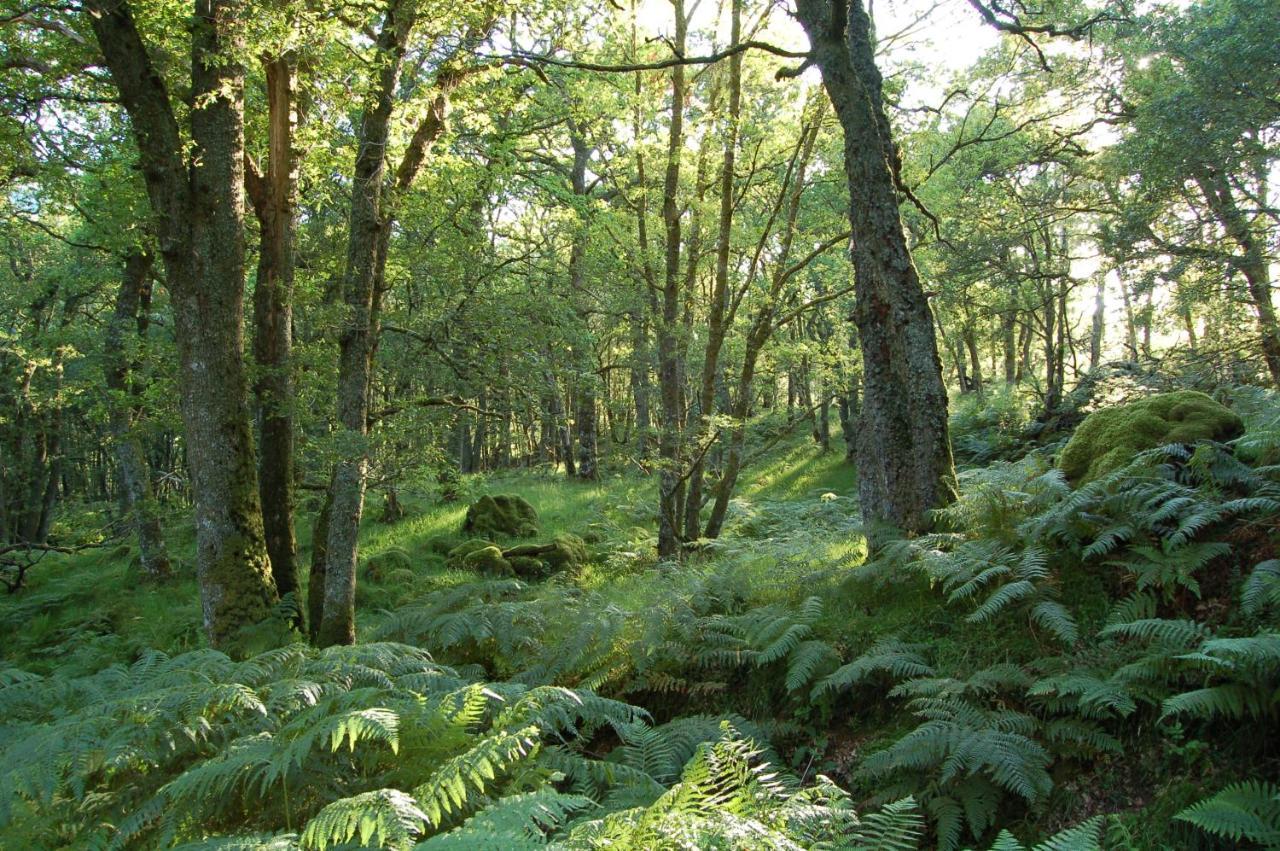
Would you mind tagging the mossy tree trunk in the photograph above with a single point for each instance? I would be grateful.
(356, 344)
(198, 207)
(272, 195)
(135, 475)
(905, 465)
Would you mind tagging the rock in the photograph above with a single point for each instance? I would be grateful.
(466, 548)
(505, 514)
(382, 564)
(443, 544)
(1109, 438)
(527, 566)
(568, 551)
(487, 560)
(401, 576)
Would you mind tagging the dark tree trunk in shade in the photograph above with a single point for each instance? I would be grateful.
(135, 475)
(905, 467)
(585, 415)
(198, 208)
(272, 195)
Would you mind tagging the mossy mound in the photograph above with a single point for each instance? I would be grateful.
(381, 565)
(528, 566)
(487, 560)
(443, 544)
(466, 548)
(1108, 439)
(504, 514)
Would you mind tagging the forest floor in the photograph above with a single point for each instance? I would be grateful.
(782, 587)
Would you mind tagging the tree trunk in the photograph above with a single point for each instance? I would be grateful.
(585, 415)
(135, 477)
(273, 202)
(357, 341)
(1099, 324)
(669, 371)
(717, 325)
(905, 465)
(199, 220)
(1252, 263)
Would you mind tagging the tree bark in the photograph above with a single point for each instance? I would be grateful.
(135, 476)
(273, 201)
(356, 344)
(198, 209)
(1099, 324)
(669, 439)
(905, 464)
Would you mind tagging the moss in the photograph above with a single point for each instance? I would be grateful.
(487, 560)
(443, 544)
(569, 551)
(1111, 437)
(401, 576)
(381, 565)
(466, 548)
(527, 566)
(505, 514)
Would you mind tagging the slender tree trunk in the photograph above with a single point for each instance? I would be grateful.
(585, 414)
(669, 372)
(272, 195)
(905, 465)
(135, 477)
(357, 341)
(1099, 324)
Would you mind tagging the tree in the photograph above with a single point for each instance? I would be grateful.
(904, 459)
(197, 203)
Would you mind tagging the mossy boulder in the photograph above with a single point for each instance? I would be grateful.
(443, 544)
(527, 566)
(563, 552)
(466, 548)
(487, 560)
(401, 576)
(504, 514)
(1109, 438)
(568, 551)
(381, 565)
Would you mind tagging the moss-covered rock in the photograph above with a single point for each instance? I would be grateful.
(504, 514)
(401, 576)
(487, 560)
(567, 552)
(1111, 437)
(381, 565)
(443, 544)
(466, 548)
(527, 566)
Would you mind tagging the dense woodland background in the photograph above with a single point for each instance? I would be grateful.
(885, 399)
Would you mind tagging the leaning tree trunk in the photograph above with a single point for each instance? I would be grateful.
(273, 201)
(135, 476)
(1252, 262)
(905, 466)
(198, 208)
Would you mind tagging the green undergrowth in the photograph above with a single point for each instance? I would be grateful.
(1101, 660)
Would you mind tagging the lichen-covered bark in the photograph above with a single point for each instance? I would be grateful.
(905, 466)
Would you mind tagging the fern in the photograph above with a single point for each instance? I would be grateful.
(388, 817)
(1248, 811)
